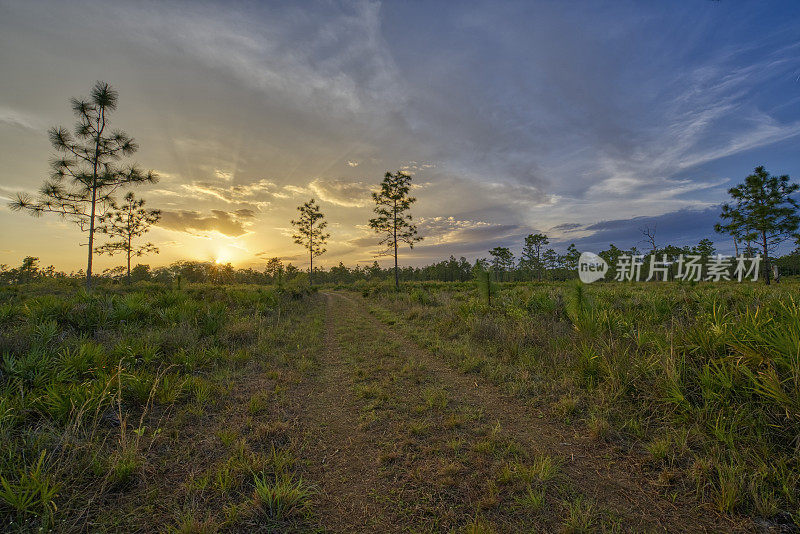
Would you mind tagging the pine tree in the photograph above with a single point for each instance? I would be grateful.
(392, 203)
(763, 211)
(125, 223)
(531, 252)
(87, 172)
(310, 233)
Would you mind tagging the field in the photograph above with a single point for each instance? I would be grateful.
(559, 407)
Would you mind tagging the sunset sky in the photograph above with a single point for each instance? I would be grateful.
(583, 120)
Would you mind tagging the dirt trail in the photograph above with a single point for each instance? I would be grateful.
(351, 483)
(343, 459)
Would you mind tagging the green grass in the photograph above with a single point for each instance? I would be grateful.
(281, 497)
(89, 382)
(702, 374)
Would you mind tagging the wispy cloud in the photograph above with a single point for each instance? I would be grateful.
(19, 119)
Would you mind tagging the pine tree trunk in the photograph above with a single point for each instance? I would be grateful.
(129, 258)
(394, 228)
(91, 236)
(766, 257)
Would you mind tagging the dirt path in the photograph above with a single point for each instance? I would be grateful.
(399, 441)
(343, 459)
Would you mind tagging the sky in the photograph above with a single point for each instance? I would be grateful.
(585, 120)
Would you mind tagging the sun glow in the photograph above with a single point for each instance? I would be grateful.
(223, 256)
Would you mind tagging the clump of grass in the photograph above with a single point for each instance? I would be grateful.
(190, 524)
(281, 497)
(580, 516)
(479, 525)
(435, 398)
(531, 500)
(258, 404)
(599, 428)
(124, 465)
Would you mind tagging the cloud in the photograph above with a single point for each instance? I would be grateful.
(223, 175)
(20, 119)
(345, 193)
(681, 227)
(229, 224)
(258, 193)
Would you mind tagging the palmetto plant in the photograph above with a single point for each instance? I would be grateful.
(281, 496)
(31, 493)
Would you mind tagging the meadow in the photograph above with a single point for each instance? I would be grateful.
(241, 408)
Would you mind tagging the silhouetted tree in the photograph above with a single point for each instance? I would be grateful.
(87, 172)
(124, 224)
(763, 210)
(310, 233)
(392, 203)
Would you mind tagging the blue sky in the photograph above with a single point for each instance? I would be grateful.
(584, 120)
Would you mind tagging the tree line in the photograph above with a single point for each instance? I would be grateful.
(88, 170)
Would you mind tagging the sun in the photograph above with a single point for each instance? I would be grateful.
(223, 256)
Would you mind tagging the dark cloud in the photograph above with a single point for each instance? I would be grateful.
(680, 228)
(226, 223)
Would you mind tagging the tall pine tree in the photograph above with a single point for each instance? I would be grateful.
(87, 171)
(393, 221)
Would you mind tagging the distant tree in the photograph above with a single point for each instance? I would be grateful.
(27, 271)
(374, 271)
(551, 259)
(340, 273)
(140, 273)
(531, 252)
(310, 232)
(649, 237)
(274, 270)
(611, 255)
(125, 223)
(705, 248)
(87, 173)
(392, 203)
(572, 257)
(291, 271)
(502, 260)
(764, 211)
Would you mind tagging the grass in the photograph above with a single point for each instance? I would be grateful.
(187, 408)
(97, 389)
(701, 374)
(281, 497)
